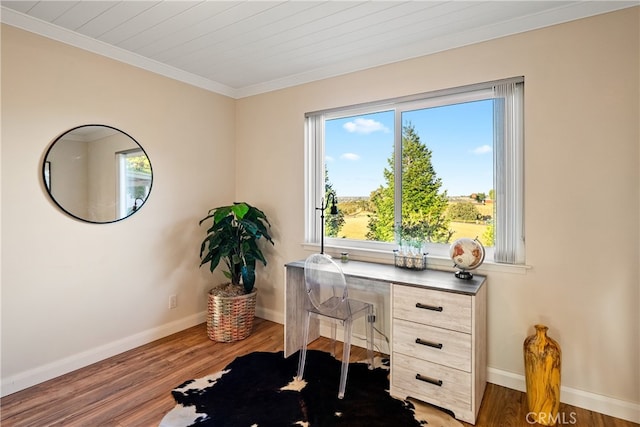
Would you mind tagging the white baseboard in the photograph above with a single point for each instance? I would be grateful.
(583, 399)
(267, 314)
(54, 369)
(594, 402)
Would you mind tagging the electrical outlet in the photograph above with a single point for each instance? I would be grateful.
(173, 301)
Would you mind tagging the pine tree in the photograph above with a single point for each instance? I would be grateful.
(423, 206)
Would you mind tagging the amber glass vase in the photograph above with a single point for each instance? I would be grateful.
(542, 358)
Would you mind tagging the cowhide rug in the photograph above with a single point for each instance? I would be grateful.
(259, 390)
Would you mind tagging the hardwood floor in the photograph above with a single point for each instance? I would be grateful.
(133, 389)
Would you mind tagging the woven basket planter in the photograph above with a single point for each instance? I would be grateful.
(230, 318)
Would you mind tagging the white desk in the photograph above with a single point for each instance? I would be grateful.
(437, 334)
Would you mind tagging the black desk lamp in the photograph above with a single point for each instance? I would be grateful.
(135, 204)
(322, 208)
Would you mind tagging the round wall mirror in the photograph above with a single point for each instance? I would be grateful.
(97, 173)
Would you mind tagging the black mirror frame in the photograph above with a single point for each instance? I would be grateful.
(46, 175)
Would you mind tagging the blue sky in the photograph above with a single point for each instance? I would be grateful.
(460, 137)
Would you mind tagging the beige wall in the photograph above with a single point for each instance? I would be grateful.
(72, 291)
(582, 161)
(70, 288)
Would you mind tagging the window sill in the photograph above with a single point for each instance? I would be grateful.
(433, 262)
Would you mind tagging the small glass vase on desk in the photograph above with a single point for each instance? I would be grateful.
(410, 260)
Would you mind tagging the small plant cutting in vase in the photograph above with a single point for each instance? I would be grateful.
(233, 238)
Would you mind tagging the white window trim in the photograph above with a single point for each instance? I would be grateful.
(438, 256)
(122, 210)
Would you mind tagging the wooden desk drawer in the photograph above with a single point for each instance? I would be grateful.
(442, 309)
(452, 388)
(437, 345)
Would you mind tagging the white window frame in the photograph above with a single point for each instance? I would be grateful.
(508, 161)
(123, 202)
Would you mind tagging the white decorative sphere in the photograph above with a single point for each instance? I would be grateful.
(466, 253)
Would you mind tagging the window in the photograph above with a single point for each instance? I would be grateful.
(134, 180)
(421, 171)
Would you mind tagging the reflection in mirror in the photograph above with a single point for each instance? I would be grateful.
(97, 173)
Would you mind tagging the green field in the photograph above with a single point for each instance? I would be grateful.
(462, 229)
(355, 226)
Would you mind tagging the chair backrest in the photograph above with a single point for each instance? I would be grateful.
(325, 283)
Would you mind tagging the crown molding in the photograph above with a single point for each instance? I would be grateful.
(45, 29)
(558, 15)
(561, 14)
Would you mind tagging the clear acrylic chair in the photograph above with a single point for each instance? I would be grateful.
(328, 298)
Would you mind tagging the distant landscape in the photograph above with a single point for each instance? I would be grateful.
(357, 211)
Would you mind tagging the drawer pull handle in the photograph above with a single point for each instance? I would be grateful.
(428, 307)
(429, 380)
(429, 343)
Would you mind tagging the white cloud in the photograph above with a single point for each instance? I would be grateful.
(483, 149)
(329, 159)
(364, 126)
(350, 156)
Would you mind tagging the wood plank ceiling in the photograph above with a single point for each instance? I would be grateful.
(240, 48)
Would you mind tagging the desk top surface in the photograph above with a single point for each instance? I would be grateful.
(433, 279)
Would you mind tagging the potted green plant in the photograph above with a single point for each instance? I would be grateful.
(233, 238)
